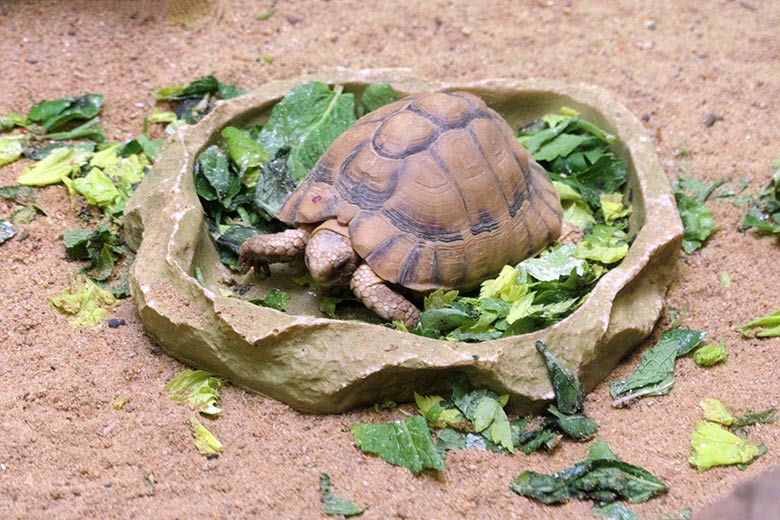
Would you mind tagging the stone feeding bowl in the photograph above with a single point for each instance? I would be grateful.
(324, 365)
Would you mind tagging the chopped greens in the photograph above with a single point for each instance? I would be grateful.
(712, 446)
(103, 247)
(698, 222)
(765, 326)
(406, 443)
(715, 411)
(198, 388)
(654, 375)
(205, 441)
(767, 416)
(10, 149)
(333, 505)
(601, 477)
(85, 301)
(275, 299)
(711, 354)
(764, 214)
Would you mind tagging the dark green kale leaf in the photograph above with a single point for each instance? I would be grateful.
(375, 96)
(198, 89)
(654, 375)
(53, 115)
(567, 388)
(603, 479)
(103, 247)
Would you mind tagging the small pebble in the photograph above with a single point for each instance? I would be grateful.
(115, 323)
(31, 60)
(293, 19)
(650, 24)
(711, 119)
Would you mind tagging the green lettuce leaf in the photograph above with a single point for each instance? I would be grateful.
(198, 388)
(576, 210)
(10, 149)
(85, 301)
(713, 446)
(765, 326)
(711, 354)
(306, 121)
(558, 263)
(406, 443)
(205, 441)
(243, 150)
(333, 505)
(715, 411)
(58, 165)
(437, 415)
(698, 222)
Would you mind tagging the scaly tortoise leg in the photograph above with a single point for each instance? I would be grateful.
(261, 250)
(381, 299)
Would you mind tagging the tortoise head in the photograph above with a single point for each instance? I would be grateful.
(330, 258)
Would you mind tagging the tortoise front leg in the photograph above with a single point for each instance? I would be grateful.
(381, 299)
(284, 247)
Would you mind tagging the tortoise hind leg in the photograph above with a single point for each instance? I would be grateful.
(381, 299)
(285, 247)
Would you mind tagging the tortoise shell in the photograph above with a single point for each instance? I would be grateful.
(435, 192)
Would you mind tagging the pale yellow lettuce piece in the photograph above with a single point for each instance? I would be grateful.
(85, 301)
(713, 446)
(205, 441)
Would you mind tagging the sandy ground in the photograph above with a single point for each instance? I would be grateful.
(66, 453)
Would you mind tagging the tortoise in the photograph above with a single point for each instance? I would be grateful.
(431, 191)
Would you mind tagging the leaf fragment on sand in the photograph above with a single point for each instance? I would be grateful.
(205, 441)
(85, 301)
(10, 149)
(333, 505)
(406, 443)
(603, 479)
(715, 411)
(713, 446)
(763, 327)
(711, 354)
(198, 388)
(654, 375)
(59, 164)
